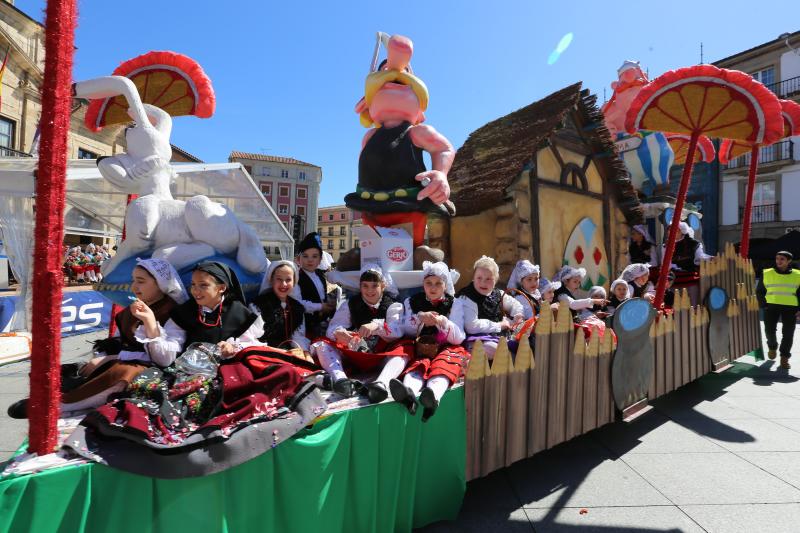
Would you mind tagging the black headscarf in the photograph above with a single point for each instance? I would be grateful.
(224, 274)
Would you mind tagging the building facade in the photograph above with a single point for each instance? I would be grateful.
(776, 64)
(290, 186)
(336, 225)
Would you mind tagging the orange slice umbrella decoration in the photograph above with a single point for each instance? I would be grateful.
(703, 100)
(731, 149)
(168, 80)
(679, 143)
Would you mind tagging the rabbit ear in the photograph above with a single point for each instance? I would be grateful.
(159, 118)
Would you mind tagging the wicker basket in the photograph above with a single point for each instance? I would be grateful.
(426, 346)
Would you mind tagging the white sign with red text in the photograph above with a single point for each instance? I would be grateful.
(391, 248)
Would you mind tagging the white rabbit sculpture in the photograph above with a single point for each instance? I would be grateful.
(179, 232)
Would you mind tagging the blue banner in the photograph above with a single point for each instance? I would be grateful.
(81, 312)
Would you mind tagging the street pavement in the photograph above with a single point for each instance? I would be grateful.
(721, 454)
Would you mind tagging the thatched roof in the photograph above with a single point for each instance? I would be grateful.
(494, 155)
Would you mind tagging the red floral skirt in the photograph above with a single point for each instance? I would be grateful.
(366, 361)
(449, 362)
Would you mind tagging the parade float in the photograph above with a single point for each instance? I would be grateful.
(376, 468)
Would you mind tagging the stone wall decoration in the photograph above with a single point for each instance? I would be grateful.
(585, 249)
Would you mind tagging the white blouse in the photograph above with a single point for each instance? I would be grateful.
(453, 326)
(391, 327)
(310, 307)
(474, 325)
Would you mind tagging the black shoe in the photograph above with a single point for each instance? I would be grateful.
(71, 377)
(376, 392)
(345, 387)
(403, 395)
(429, 402)
(19, 409)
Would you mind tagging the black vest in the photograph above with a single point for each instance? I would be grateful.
(563, 290)
(390, 160)
(637, 291)
(361, 313)
(419, 303)
(684, 254)
(639, 252)
(489, 307)
(236, 318)
(279, 323)
(309, 293)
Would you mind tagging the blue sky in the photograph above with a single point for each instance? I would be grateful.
(288, 74)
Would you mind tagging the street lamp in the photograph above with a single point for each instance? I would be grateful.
(785, 37)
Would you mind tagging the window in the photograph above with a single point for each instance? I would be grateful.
(283, 191)
(330, 244)
(763, 194)
(330, 216)
(300, 210)
(330, 231)
(301, 176)
(86, 154)
(284, 173)
(266, 189)
(249, 169)
(355, 243)
(283, 209)
(342, 230)
(301, 193)
(319, 218)
(341, 244)
(266, 171)
(342, 216)
(277, 251)
(6, 134)
(766, 76)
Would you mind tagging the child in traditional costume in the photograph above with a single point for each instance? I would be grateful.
(363, 335)
(435, 319)
(619, 293)
(641, 245)
(571, 279)
(283, 315)
(122, 357)
(598, 310)
(311, 288)
(487, 308)
(637, 275)
(524, 286)
(215, 314)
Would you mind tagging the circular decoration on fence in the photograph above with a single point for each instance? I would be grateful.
(717, 298)
(632, 367)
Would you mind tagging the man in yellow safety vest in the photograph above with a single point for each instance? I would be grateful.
(779, 294)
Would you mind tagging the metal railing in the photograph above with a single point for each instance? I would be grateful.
(786, 88)
(780, 151)
(763, 213)
(10, 152)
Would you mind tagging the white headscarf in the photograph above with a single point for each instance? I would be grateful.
(642, 229)
(266, 283)
(327, 261)
(568, 272)
(443, 272)
(166, 277)
(620, 281)
(686, 229)
(391, 288)
(523, 269)
(597, 292)
(546, 285)
(634, 271)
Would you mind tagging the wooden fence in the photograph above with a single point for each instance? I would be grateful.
(522, 405)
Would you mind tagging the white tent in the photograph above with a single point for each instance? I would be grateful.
(97, 208)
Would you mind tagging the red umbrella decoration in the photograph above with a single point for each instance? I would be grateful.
(730, 149)
(703, 100)
(679, 143)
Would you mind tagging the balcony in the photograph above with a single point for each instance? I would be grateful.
(763, 213)
(10, 152)
(787, 88)
(780, 151)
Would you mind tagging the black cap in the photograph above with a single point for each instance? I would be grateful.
(787, 255)
(311, 240)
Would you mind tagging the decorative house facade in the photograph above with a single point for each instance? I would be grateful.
(543, 183)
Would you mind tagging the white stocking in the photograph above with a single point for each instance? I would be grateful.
(414, 381)
(392, 368)
(330, 359)
(439, 385)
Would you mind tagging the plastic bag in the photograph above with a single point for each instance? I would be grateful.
(200, 358)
